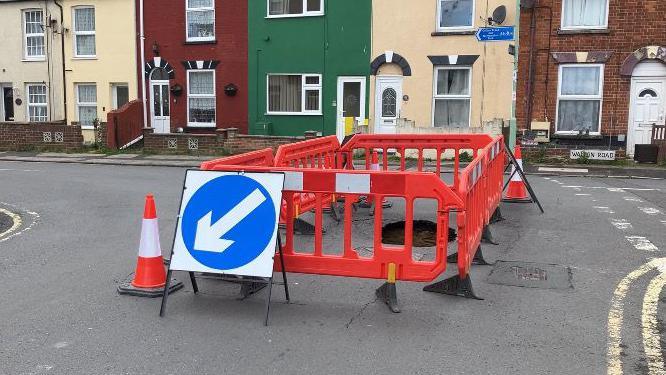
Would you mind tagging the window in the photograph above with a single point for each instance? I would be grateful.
(201, 98)
(452, 97)
(455, 14)
(579, 98)
(294, 94)
(584, 14)
(86, 104)
(389, 103)
(200, 20)
(84, 32)
(33, 34)
(120, 93)
(37, 103)
(295, 8)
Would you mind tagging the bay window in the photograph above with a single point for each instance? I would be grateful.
(201, 98)
(579, 98)
(294, 94)
(452, 97)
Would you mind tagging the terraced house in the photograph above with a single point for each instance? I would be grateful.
(308, 65)
(31, 75)
(429, 72)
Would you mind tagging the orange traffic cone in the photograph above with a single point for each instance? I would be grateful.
(150, 276)
(516, 192)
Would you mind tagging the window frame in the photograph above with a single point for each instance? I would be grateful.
(199, 38)
(305, 12)
(201, 124)
(600, 27)
(114, 94)
(27, 57)
(438, 20)
(76, 33)
(80, 104)
(29, 104)
(304, 87)
(435, 97)
(599, 97)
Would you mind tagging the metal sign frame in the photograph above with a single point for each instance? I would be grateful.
(519, 170)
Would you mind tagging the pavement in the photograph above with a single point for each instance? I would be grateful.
(78, 241)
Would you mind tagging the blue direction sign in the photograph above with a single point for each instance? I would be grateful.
(495, 34)
(228, 223)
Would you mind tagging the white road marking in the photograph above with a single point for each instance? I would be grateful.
(650, 210)
(650, 325)
(604, 209)
(621, 224)
(16, 222)
(642, 243)
(583, 195)
(18, 170)
(612, 189)
(616, 315)
(663, 222)
(568, 170)
(546, 178)
(616, 190)
(633, 199)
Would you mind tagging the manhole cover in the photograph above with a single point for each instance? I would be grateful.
(425, 233)
(531, 275)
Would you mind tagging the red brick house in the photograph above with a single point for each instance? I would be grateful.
(195, 64)
(594, 69)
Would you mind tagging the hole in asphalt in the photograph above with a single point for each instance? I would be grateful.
(531, 275)
(6, 222)
(425, 233)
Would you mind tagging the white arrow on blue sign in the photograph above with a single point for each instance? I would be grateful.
(228, 223)
(495, 34)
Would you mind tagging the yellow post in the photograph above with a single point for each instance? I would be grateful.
(391, 273)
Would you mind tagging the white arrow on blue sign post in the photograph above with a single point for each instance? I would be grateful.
(495, 34)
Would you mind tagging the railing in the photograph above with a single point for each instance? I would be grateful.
(124, 125)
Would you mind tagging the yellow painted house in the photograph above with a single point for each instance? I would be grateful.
(431, 75)
(100, 59)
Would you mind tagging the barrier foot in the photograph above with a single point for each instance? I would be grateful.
(250, 287)
(497, 216)
(478, 259)
(487, 236)
(453, 286)
(388, 294)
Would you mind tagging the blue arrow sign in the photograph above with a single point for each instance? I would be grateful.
(228, 222)
(495, 34)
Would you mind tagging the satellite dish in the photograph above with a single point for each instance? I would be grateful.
(499, 15)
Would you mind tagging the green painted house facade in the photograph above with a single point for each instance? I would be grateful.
(309, 65)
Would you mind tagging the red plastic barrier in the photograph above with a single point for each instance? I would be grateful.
(259, 158)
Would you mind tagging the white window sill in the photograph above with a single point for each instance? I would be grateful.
(87, 127)
(575, 133)
(34, 59)
(583, 28)
(200, 40)
(84, 58)
(200, 125)
(293, 113)
(299, 15)
(455, 29)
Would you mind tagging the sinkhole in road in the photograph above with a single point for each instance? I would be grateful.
(6, 222)
(424, 233)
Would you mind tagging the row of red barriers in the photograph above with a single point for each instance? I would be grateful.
(320, 173)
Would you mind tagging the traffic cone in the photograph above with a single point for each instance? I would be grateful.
(374, 165)
(516, 192)
(150, 276)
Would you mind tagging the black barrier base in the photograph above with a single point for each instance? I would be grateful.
(453, 286)
(497, 216)
(388, 294)
(128, 289)
(303, 227)
(478, 259)
(524, 200)
(250, 287)
(487, 236)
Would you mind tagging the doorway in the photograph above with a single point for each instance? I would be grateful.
(350, 104)
(648, 103)
(159, 99)
(7, 102)
(388, 98)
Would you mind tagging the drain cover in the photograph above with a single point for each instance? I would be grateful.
(531, 275)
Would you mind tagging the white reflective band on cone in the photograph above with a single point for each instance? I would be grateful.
(516, 175)
(149, 247)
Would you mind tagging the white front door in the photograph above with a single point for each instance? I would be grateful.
(388, 97)
(159, 99)
(648, 107)
(350, 104)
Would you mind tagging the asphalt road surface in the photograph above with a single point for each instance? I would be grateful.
(78, 238)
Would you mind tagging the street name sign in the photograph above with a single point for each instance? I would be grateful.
(228, 223)
(593, 154)
(495, 34)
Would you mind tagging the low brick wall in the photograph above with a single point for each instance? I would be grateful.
(224, 141)
(39, 136)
